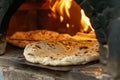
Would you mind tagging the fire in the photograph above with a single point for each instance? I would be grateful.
(85, 21)
(64, 8)
(61, 6)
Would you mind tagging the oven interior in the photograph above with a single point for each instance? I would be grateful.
(53, 15)
(47, 14)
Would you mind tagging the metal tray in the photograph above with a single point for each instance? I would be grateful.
(58, 68)
(22, 61)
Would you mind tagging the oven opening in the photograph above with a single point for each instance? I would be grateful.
(64, 28)
(57, 27)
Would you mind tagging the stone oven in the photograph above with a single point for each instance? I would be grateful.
(63, 16)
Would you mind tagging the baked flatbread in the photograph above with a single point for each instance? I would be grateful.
(21, 39)
(36, 35)
(19, 43)
(62, 53)
(55, 49)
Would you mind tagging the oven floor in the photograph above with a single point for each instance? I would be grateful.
(13, 70)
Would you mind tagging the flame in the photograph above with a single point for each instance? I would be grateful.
(85, 21)
(62, 7)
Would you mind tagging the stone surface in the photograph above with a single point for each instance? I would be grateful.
(1, 74)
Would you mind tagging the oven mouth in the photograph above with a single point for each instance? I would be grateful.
(31, 17)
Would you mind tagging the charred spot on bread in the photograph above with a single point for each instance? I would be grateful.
(38, 46)
(30, 54)
(86, 52)
(51, 45)
(83, 47)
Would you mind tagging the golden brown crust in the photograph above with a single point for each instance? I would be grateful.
(19, 43)
(21, 39)
(35, 35)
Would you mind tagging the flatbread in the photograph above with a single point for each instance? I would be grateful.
(19, 43)
(62, 53)
(55, 49)
(21, 39)
(37, 35)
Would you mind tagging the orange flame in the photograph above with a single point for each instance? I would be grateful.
(62, 7)
(85, 21)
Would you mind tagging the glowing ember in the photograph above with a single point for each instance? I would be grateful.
(67, 25)
(61, 18)
(95, 72)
